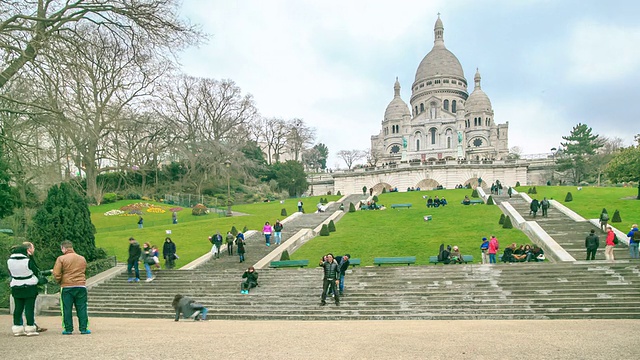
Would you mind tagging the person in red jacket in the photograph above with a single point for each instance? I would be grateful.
(493, 249)
(610, 244)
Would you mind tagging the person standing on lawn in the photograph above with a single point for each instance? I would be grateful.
(169, 253)
(69, 272)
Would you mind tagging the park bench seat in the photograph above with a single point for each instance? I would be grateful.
(289, 263)
(6, 231)
(393, 206)
(394, 260)
(354, 262)
(474, 201)
(465, 258)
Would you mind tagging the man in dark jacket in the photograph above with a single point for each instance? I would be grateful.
(544, 205)
(534, 206)
(169, 253)
(592, 242)
(132, 261)
(331, 275)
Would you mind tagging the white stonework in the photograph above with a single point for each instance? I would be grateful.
(443, 122)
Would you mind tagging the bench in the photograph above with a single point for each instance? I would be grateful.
(394, 260)
(289, 263)
(465, 259)
(393, 206)
(474, 201)
(6, 231)
(354, 262)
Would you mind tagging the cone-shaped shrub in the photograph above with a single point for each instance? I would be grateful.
(245, 229)
(352, 208)
(375, 198)
(534, 190)
(569, 197)
(474, 193)
(325, 230)
(283, 212)
(501, 221)
(384, 190)
(507, 223)
(616, 217)
(530, 190)
(284, 256)
(332, 226)
(517, 183)
(490, 200)
(338, 193)
(234, 231)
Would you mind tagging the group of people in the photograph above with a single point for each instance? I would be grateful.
(436, 202)
(149, 255)
(370, 205)
(496, 188)
(230, 240)
(413, 189)
(450, 255)
(522, 253)
(275, 230)
(68, 271)
(536, 205)
(333, 270)
(592, 243)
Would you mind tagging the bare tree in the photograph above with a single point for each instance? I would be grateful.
(27, 28)
(351, 156)
(274, 133)
(515, 152)
(300, 137)
(373, 156)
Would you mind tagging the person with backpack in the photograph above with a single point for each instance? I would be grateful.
(484, 247)
(534, 206)
(592, 242)
(230, 239)
(604, 219)
(216, 240)
(634, 240)
(240, 244)
(544, 205)
(344, 266)
(493, 249)
(610, 244)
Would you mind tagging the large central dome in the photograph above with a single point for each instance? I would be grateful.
(439, 61)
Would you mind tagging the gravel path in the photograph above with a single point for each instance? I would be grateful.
(130, 338)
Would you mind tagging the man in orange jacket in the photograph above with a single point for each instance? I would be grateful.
(69, 272)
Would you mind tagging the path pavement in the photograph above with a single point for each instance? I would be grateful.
(485, 339)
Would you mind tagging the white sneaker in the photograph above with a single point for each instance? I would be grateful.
(195, 315)
(18, 330)
(31, 331)
(149, 280)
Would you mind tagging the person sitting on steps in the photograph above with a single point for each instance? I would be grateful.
(252, 280)
(519, 254)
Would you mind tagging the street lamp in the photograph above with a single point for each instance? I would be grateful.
(553, 166)
(227, 163)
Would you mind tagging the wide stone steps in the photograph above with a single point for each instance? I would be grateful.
(519, 291)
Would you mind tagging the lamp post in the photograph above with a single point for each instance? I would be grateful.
(553, 166)
(227, 163)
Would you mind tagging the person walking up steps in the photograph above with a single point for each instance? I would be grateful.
(610, 244)
(267, 230)
(604, 219)
(147, 260)
(634, 239)
(277, 232)
(240, 244)
(592, 242)
(230, 239)
(544, 205)
(69, 272)
(132, 262)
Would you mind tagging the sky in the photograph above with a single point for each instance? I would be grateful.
(546, 65)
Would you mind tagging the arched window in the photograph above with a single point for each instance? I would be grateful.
(433, 136)
(448, 142)
(445, 105)
(453, 106)
(417, 144)
(421, 107)
(416, 113)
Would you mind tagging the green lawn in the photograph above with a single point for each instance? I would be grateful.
(589, 201)
(191, 232)
(403, 232)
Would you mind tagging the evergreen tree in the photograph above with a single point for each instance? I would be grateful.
(6, 195)
(325, 230)
(517, 183)
(507, 223)
(352, 208)
(332, 226)
(245, 229)
(234, 231)
(579, 147)
(534, 190)
(323, 152)
(375, 198)
(474, 193)
(283, 212)
(63, 216)
(501, 221)
(384, 190)
(284, 256)
(490, 200)
(569, 197)
(338, 193)
(625, 166)
(616, 217)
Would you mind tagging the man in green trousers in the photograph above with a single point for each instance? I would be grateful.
(69, 272)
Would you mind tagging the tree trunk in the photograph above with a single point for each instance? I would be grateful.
(638, 197)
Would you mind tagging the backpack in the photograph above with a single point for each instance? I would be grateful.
(604, 217)
(636, 236)
(440, 252)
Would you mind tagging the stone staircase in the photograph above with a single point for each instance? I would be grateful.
(595, 290)
(565, 231)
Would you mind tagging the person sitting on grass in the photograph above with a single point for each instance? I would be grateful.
(429, 202)
(537, 254)
(507, 256)
(189, 308)
(252, 280)
(443, 201)
(519, 255)
(466, 200)
(455, 256)
(436, 201)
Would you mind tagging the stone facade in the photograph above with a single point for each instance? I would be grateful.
(444, 121)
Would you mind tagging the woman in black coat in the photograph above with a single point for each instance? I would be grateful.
(169, 253)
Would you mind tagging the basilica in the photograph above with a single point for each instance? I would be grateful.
(444, 121)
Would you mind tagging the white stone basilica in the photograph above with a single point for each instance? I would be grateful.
(444, 122)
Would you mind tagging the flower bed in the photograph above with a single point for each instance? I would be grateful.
(114, 212)
(175, 209)
(156, 210)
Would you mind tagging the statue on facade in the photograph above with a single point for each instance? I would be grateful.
(404, 142)
(459, 137)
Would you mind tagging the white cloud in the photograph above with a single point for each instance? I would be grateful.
(602, 52)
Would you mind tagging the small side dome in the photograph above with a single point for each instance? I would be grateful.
(397, 108)
(478, 100)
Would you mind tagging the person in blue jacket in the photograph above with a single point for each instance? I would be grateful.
(484, 247)
(634, 239)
